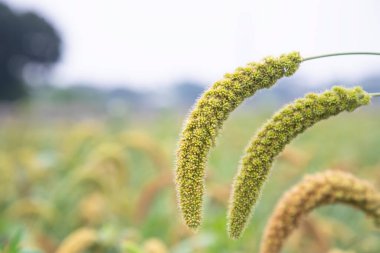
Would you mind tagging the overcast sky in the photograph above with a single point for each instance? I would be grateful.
(150, 43)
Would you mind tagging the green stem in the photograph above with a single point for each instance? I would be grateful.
(339, 54)
(375, 94)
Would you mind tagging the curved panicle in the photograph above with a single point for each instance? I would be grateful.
(331, 187)
(283, 127)
(206, 119)
(78, 241)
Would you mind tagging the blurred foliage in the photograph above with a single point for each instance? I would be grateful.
(107, 185)
(29, 44)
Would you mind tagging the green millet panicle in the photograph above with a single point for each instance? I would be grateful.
(331, 187)
(206, 119)
(285, 125)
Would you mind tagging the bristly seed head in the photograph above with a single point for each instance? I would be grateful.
(206, 119)
(284, 126)
(331, 187)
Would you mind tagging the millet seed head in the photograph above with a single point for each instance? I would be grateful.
(326, 188)
(78, 241)
(268, 142)
(206, 119)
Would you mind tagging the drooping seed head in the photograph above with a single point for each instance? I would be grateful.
(149, 193)
(206, 119)
(284, 126)
(331, 187)
(340, 251)
(78, 241)
(93, 208)
(141, 141)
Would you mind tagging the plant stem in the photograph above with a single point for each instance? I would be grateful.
(340, 54)
(375, 94)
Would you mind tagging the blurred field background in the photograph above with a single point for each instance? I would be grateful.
(115, 177)
(94, 163)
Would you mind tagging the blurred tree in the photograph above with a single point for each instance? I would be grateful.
(26, 40)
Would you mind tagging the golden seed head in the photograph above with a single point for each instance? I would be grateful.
(154, 245)
(78, 241)
(340, 251)
(331, 187)
(93, 208)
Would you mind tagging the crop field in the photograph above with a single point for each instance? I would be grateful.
(196, 127)
(104, 186)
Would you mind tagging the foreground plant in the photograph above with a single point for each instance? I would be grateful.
(284, 126)
(331, 187)
(206, 119)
